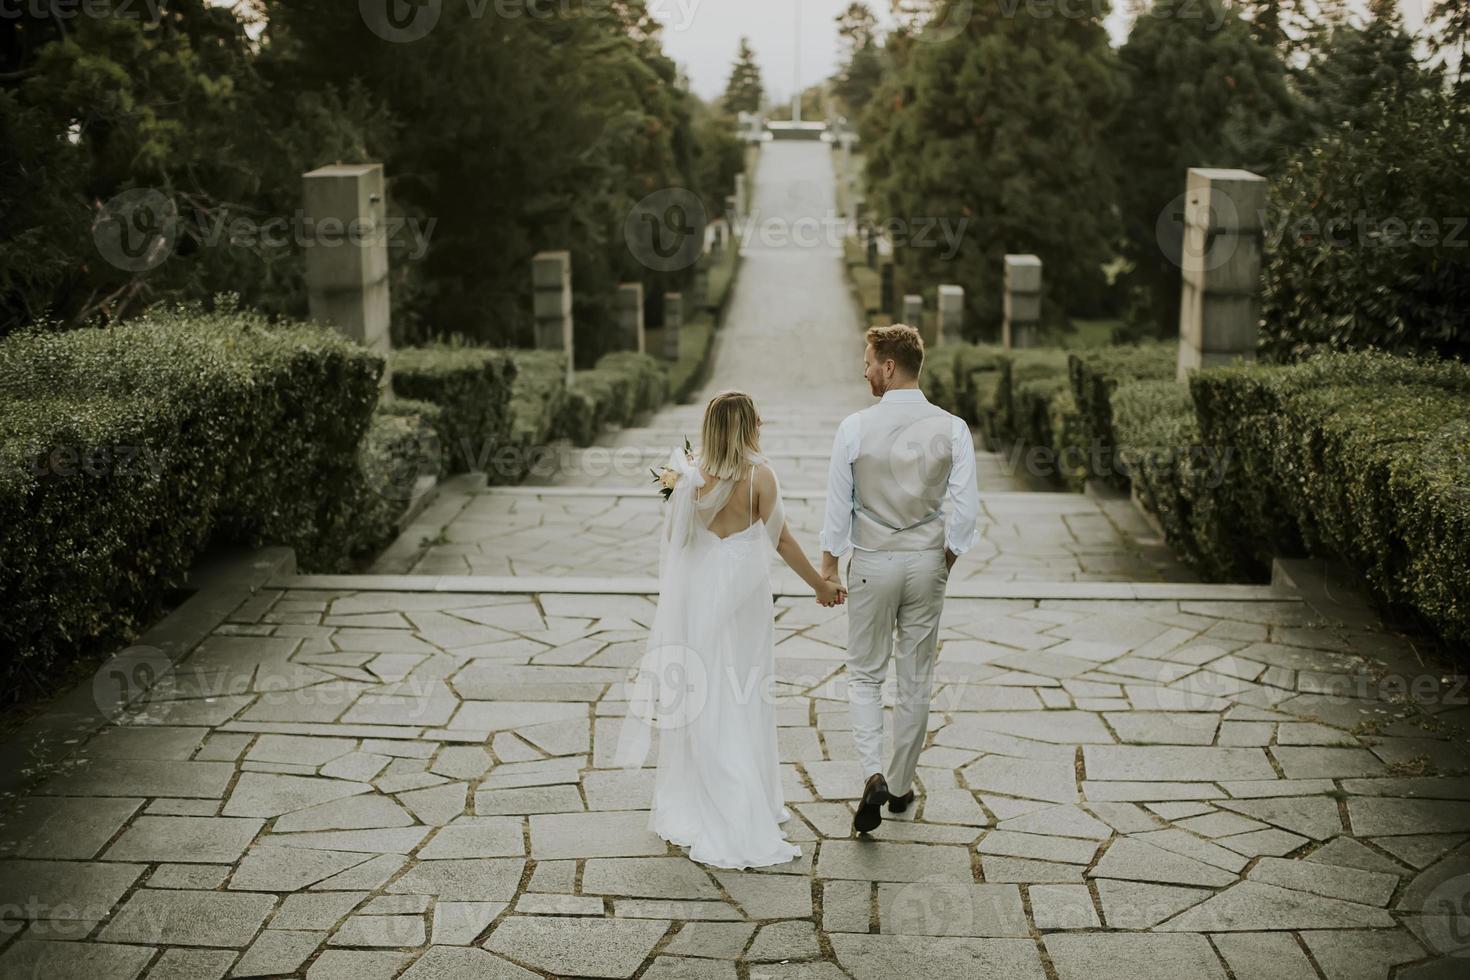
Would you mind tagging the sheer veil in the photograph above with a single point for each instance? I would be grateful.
(666, 690)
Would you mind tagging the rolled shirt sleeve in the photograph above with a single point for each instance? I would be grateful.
(960, 530)
(837, 525)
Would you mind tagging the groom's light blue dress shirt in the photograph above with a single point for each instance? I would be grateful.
(962, 498)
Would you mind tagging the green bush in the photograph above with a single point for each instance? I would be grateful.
(1046, 416)
(1095, 374)
(124, 451)
(1016, 367)
(621, 387)
(1365, 248)
(938, 378)
(1364, 457)
(1157, 444)
(402, 445)
(472, 386)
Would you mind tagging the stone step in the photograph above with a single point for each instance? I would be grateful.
(785, 585)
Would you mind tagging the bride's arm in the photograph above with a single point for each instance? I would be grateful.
(790, 550)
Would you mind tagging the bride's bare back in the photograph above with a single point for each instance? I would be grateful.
(745, 507)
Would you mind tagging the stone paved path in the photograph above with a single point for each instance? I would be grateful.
(373, 778)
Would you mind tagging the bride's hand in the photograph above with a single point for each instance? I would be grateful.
(830, 594)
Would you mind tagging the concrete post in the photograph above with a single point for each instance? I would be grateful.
(1022, 303)
(742, 196)
(673, 324)
(1219, 311)
(630, 317)
(872, 250)
(887, 300)
(551, 277)
(346, 208)
(913, 313)
(951, 314)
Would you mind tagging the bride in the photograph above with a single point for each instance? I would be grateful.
(707, 682)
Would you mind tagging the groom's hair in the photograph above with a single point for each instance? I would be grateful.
(901, 344)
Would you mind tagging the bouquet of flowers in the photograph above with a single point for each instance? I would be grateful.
(667, 477)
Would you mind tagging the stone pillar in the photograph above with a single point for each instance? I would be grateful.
(1022, 303)
(872, 250)
(673, 324)
(346, 209)
(551, 276)
(913, 312)
(887, 300)
(1219, 311)
(630, 317)
(951, 315)
(742, 196)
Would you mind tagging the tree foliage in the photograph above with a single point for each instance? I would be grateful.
(501, 136)
(745, 91)
(999, 130)
(1201, 92)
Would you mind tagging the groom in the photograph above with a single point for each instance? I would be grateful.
(901, 495)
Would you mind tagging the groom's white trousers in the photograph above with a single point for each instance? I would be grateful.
(893, 593)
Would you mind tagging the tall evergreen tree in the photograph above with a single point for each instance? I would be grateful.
(862, 59)
(1453, 18)
(999, 131)
(1202, 92)
(744, 93)
(1355, 71)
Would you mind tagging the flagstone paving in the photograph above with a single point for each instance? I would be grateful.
(356, 781)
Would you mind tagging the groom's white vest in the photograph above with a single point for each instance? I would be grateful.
(901, 476)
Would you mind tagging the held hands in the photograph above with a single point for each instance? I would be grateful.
(831, 593)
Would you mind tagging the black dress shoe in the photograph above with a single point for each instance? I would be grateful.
(870, 807)
(898, 804)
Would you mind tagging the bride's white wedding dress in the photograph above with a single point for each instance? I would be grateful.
(707, 683)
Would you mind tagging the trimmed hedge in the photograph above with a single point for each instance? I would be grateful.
(621, 387)
(1364, 456)
(472, 387)
(402, 444)
(1095, 374)
(124, 451)
(537, 398)
(1017, 368)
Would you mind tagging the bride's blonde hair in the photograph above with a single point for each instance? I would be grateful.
(731, 434)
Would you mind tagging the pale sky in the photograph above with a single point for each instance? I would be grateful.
(703, 35)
